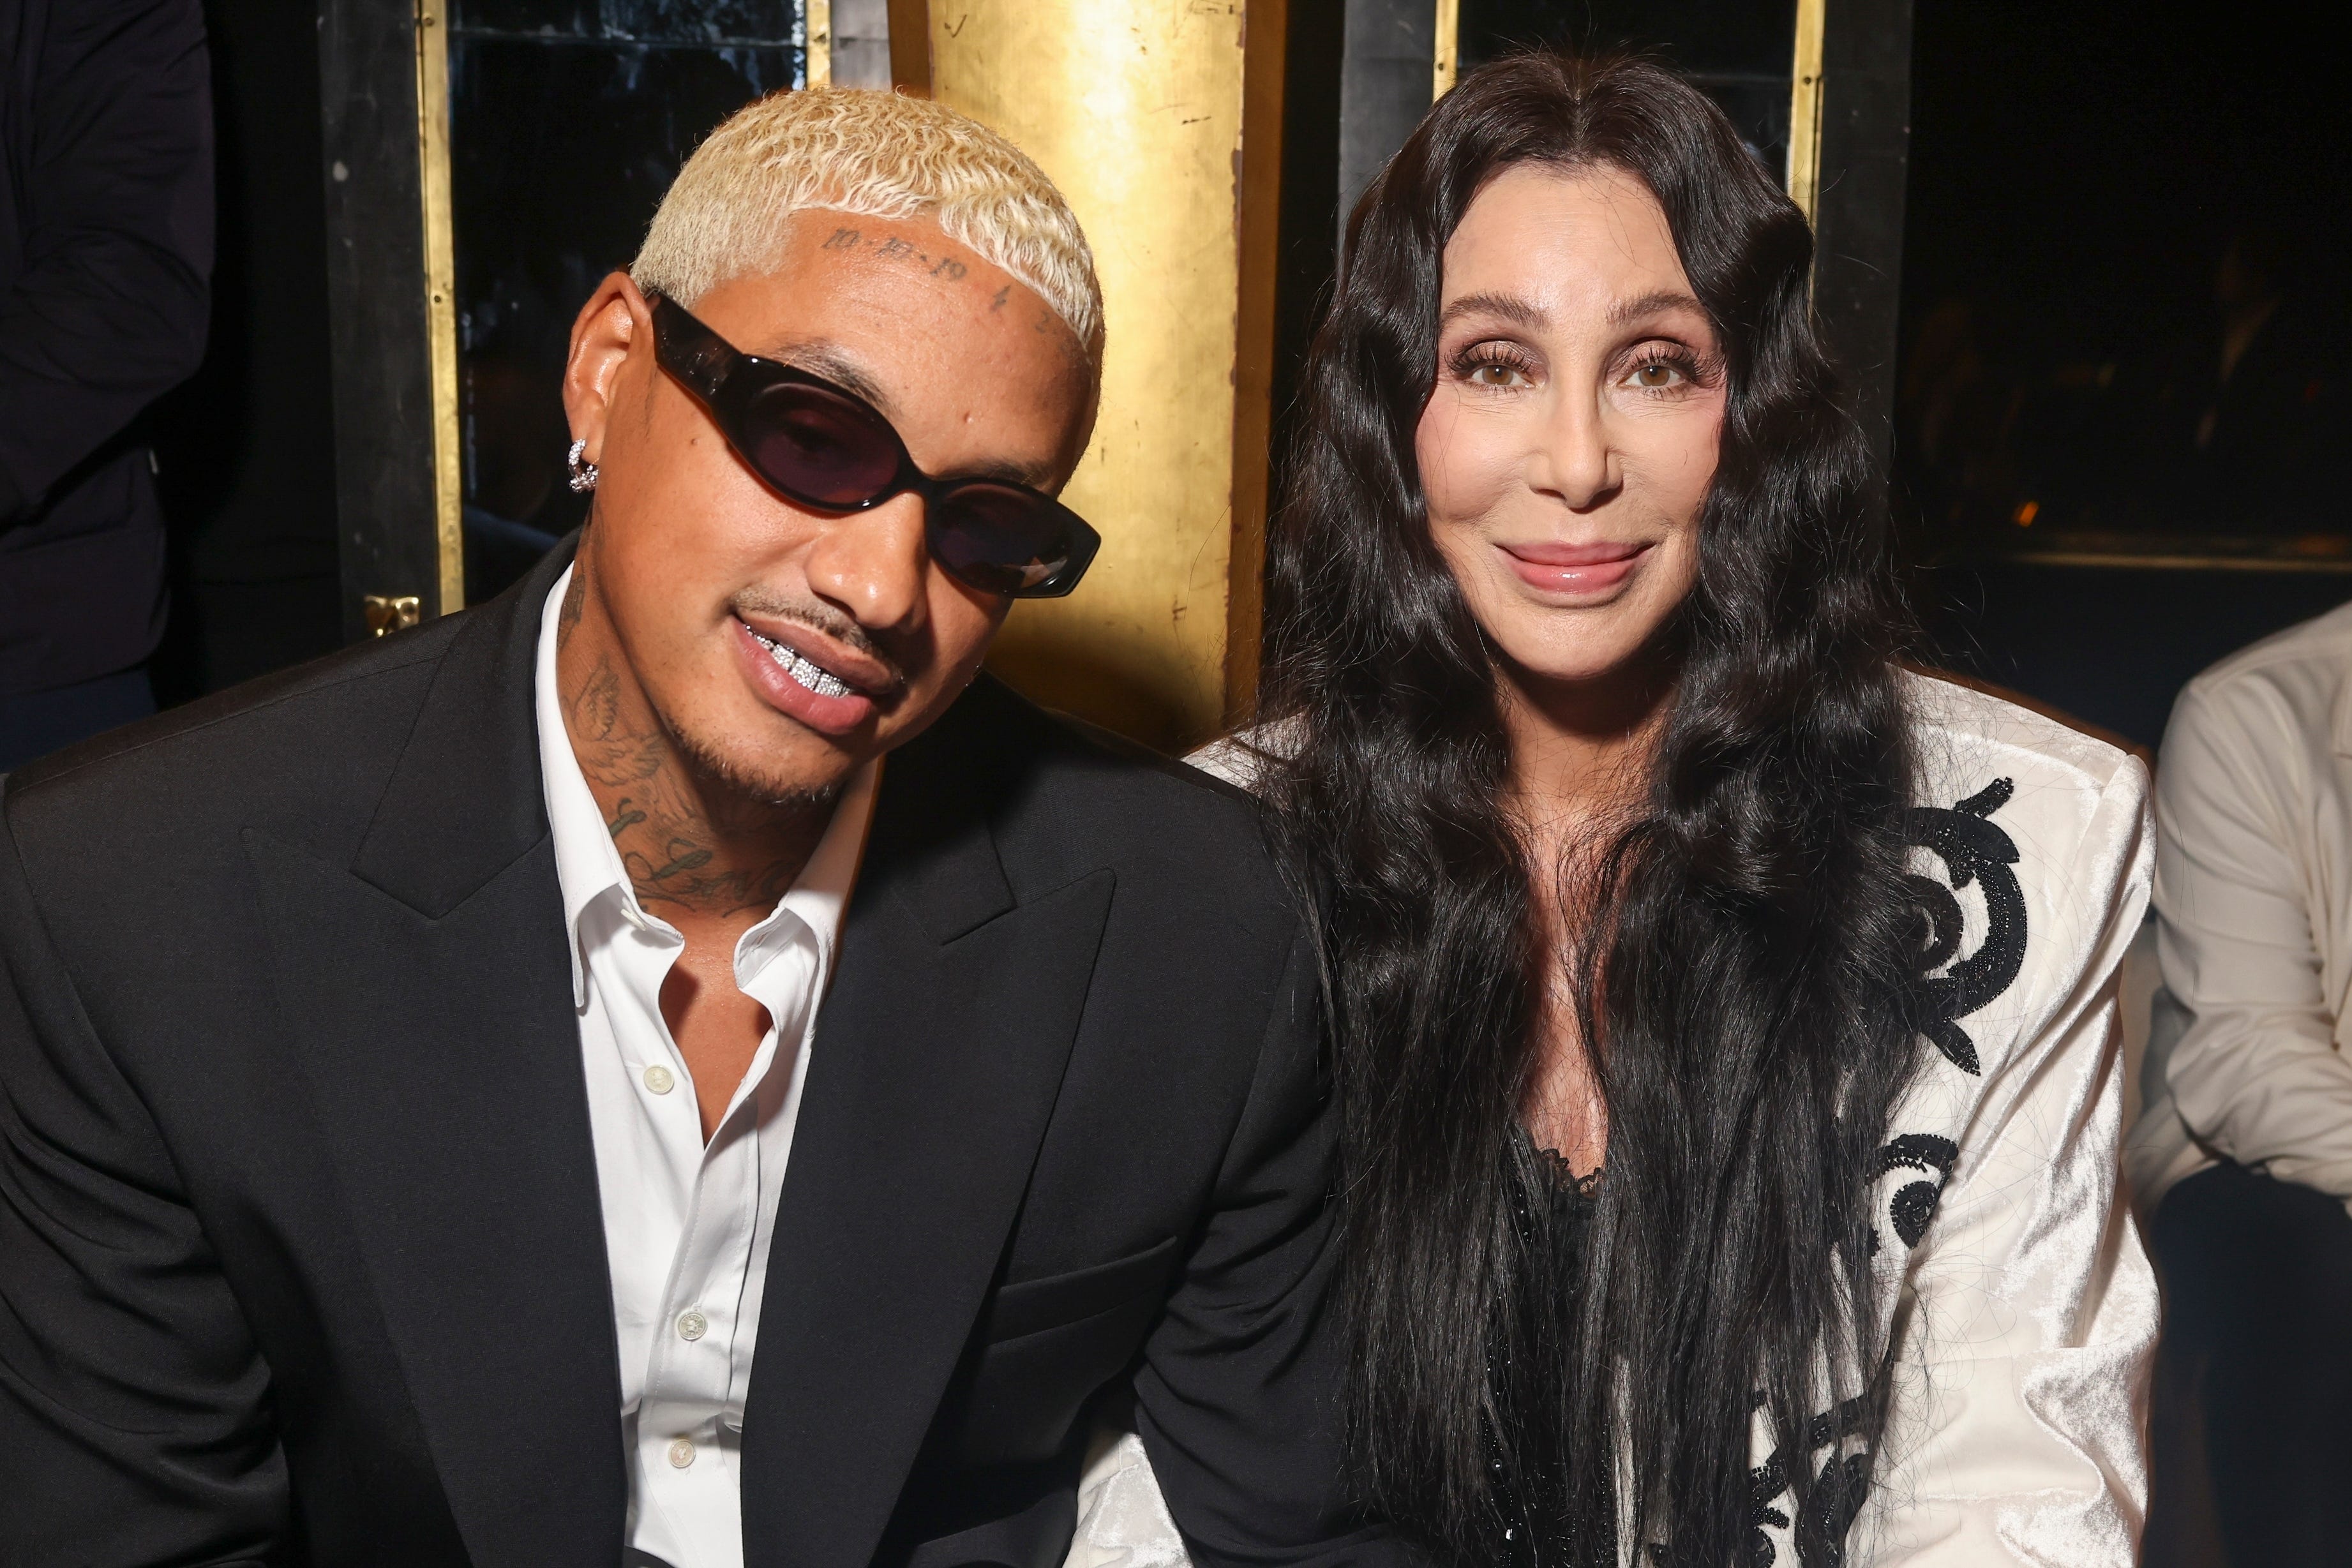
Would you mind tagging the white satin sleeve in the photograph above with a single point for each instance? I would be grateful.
(2025, 1315)
(1123, 1522)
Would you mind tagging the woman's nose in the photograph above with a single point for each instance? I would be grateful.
(1577, 461)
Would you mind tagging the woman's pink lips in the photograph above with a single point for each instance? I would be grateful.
(1574, 569)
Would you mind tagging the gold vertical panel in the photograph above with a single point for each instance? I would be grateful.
(910, 46)
(1136, 111)
(1805, 108)
(1448, 60)
(440, 299)
(817, 43)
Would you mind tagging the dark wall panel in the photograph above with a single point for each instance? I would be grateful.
(246, 448)
(1858, 220)
(375, 290)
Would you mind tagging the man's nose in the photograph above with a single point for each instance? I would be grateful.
(873, 565)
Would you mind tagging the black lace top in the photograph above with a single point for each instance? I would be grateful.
(1535, 1501)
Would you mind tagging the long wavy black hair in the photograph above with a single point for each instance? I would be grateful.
(1753, 986)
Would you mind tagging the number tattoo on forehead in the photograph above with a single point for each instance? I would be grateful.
(891, 247)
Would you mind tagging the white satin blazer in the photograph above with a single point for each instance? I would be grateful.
(2021, 1308)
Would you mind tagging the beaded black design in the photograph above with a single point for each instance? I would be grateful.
(1536, 1520)
(1913, 1204)
(1972, 850)
(1836, 1498)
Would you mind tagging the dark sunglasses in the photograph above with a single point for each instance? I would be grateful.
(828, 449)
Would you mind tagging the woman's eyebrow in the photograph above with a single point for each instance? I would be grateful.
(1656, 302)
(1509, 307)
(1527, 313)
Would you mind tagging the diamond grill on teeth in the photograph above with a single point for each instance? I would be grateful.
(816, 679)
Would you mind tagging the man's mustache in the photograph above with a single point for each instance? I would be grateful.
(819, 616)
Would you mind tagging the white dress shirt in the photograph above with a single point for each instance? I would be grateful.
(687, 1224)
(2247, 1040)
(2019, 1308)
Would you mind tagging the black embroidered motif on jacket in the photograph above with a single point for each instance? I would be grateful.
(1972, 850)
(1913, 1204)
(1836, 1498)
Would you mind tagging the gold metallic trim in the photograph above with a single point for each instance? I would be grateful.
(1264, 50)
(387, 613)
(1805, 108)
(1448, 62)
(440, 297)
(2158, 562)
(818, 48)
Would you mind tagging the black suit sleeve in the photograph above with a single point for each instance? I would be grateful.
(134, 1430)
(108, 311)
(1238, 1397)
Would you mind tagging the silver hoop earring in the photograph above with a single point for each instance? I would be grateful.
(583, 475)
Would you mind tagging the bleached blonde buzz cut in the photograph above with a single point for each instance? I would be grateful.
(872, 154)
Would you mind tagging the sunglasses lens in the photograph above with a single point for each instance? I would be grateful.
(998, 539)
(819, 448)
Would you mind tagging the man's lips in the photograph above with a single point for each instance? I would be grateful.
(1552, 567)
(799, 687)
(843, 664)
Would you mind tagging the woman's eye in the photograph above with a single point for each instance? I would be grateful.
(1658, 375)
(1494, 373)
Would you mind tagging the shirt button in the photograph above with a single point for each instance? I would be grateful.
(659, 1078)
(692, 1324)
(681, 1452)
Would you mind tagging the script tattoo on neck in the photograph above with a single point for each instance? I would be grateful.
(656, 813)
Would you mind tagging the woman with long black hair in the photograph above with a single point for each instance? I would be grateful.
(1723, 1017)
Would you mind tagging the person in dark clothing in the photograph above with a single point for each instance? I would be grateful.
(2270, 432)
(106, 245)
(675, 1066)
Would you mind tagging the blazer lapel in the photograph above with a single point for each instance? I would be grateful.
(938, 1059)
(428, 988)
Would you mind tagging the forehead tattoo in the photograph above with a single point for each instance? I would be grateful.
(904, 253)
(900, 252)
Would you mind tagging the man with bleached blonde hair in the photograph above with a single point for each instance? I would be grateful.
(675, 1066)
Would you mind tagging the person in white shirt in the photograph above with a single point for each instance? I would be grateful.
(2243, 1155)
(675, 1066)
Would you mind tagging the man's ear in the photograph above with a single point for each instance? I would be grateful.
(616, 320)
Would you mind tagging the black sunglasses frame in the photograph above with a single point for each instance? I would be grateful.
(726, 381)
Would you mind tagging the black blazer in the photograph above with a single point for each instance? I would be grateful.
(302, 1259)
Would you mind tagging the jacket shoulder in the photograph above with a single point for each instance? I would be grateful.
(2324, 642)
(1077, 795)
(2294, 679)
(285, 740)
(1967, 737)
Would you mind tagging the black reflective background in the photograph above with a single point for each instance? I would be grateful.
(1740, 51)
(568, 120)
